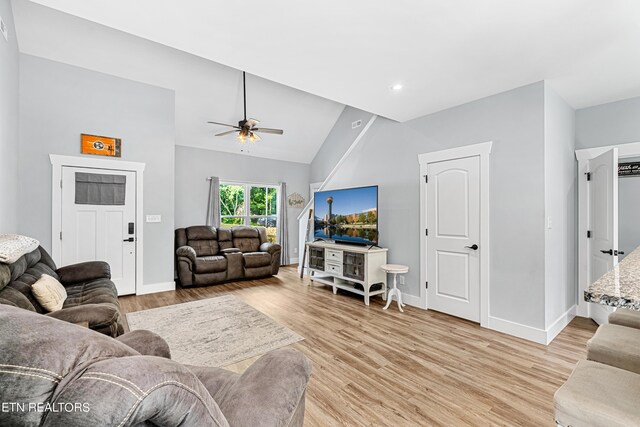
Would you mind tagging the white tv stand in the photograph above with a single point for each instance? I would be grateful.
(344, 266)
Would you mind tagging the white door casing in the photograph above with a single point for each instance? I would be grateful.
(98, 232)
(603, 213)
(453, 223)
(481, 152)
(60, 161)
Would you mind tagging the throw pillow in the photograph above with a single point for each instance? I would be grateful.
(13, 246)
(49, 293)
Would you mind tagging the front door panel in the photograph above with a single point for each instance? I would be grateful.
(453, 221)
(97, 229)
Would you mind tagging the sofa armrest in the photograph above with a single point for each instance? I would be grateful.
(101, 317)
(269, 392)
(83, 272)
(269, 247)
(187, 252)
(146, 343)
(230, 251)
(136, 391)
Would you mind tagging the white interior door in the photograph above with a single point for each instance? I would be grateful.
(603, 213)
(453, 224)
(98, 221)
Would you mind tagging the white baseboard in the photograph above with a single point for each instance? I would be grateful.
(152, 288)
(518, 330)
(560, 323)
(293, 260)
(412, 300)
(541, 336)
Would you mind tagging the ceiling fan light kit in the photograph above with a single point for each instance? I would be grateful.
(246, 129)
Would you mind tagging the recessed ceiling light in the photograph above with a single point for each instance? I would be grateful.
(396, 87)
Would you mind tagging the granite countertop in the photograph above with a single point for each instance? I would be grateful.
(619, 287)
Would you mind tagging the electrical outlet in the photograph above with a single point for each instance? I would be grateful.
(401, 280)
(3, 29)
(295, 250)
(356, 124)
(154, 218)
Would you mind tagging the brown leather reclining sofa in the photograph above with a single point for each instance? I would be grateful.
(91, 295)
(208, 255)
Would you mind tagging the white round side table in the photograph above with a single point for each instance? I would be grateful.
(395, 269)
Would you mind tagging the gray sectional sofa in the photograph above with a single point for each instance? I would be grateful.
(208, 255)
(91, 295)
(58, 374)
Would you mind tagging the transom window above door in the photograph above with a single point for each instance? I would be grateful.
(249, 204)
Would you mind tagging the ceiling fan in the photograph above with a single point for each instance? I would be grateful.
(246, 129)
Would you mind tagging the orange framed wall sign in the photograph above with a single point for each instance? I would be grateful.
(100, 145)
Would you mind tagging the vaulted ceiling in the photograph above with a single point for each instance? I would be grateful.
(444, 53)
(308, 59)
(204, 90)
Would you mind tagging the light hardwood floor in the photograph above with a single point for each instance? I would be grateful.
(419, 368)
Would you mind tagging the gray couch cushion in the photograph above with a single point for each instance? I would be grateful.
(625, 317)
(205, 247)
(93, 292)
(256, 259)
(247, 239)
(203, 239)
(5, 275)
(598, 395)
(616, 345)
(201, 232)
(211, 264)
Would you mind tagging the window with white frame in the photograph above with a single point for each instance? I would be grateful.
(249, 204)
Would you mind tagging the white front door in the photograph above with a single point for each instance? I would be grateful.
(98, 221)
(603, 213)
(453, 227)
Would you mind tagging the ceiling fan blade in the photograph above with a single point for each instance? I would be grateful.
(252, 122)
(224, 124)
(226, 133)
(267, 130)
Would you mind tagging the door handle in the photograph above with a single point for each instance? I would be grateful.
(610, 252)
(474, 247)
(130, 239)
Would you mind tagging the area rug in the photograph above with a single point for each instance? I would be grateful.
(215, 331)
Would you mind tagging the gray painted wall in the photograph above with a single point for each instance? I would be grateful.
(58, 102)
(560, 174)
(514, 121)
(194, 165)
(9, 78)
(337, 142)
(608, 124)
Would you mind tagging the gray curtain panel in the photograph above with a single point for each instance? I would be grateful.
(213, 205)
(283, 227)
(100, 189)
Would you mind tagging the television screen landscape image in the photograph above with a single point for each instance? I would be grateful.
(348, 215)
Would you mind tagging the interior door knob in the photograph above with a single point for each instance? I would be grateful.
(474, 247)
(610, 251)
(130, 239)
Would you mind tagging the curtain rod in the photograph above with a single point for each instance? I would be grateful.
(230, 181)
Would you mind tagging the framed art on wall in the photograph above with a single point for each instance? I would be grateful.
(100, 145)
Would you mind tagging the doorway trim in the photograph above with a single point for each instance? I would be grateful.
(631, 149)
(60, 161)
(482, 150)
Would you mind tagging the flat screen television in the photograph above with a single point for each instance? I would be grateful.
(349, 215)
